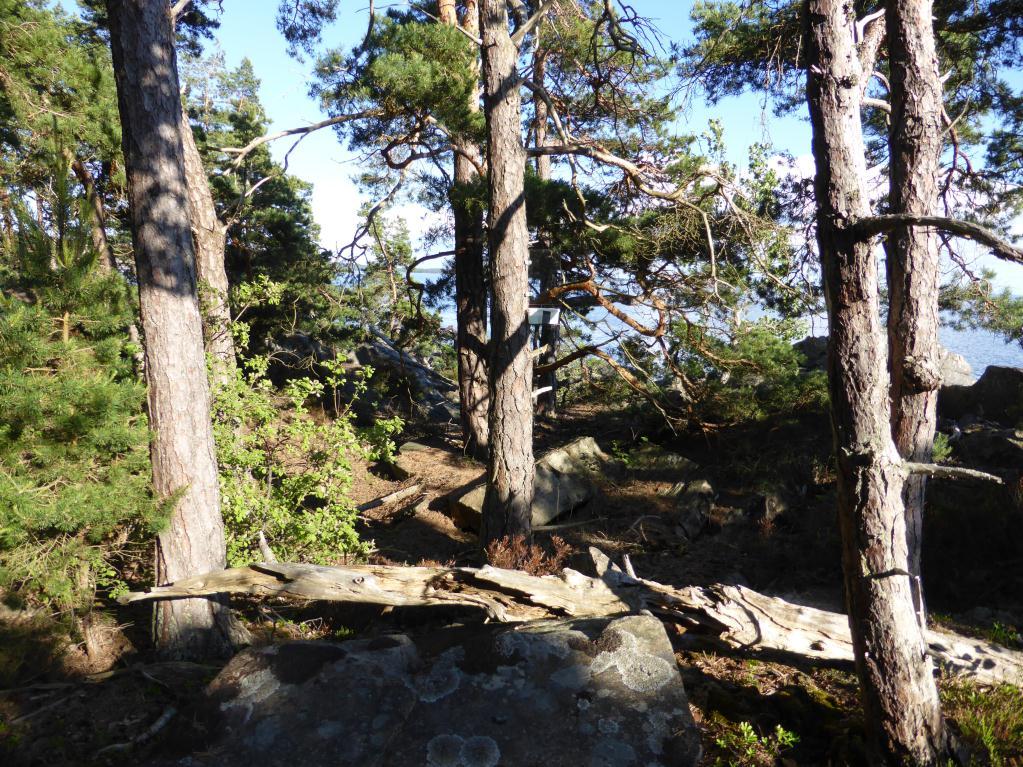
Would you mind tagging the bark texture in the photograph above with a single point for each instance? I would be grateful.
(470, 277)
(506, 509)
(896, 676)
(913, 276)
(184, 467)
(210, 237)
(97, 217)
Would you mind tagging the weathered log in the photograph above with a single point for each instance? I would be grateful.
(397, 495)
(741, 619)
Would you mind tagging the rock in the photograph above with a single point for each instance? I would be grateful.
(767, 507)
(402, 467)
(954, 369)
(988, 448)
(600, 691)
(467, 509)
(437, 396)
(563, 481)
(815, 349)
(654, 461)
(694, 505)
(996, 396)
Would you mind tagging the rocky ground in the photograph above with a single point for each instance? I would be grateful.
(750, 505)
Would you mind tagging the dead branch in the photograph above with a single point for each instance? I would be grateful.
(244, 151)
(395, 497)
(736, 617)
(950, 472)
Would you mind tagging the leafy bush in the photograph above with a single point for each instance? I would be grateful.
(286, 471)
(748, 749)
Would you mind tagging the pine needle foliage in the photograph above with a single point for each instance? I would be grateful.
(74, 464)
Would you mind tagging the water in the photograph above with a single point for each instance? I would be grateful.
(982, 348)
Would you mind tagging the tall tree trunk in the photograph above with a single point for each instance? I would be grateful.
(184, 467)
(550, 335)
(470, 280)
(900, 696)
(210, 237)
(915, 150)
(98, 219)
(506, 508)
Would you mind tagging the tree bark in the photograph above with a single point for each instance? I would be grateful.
(184, 467)
(913, 266)
(98, 220)
(470, 279)
(210, 237)
(900, 696)
(506, 508)
(550, 335)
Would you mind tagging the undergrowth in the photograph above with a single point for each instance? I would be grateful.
(990, 720)
(516, 553)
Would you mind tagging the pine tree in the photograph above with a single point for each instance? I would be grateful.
(74, 464)
(184, 465)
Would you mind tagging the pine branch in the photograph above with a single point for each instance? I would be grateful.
(866, 228)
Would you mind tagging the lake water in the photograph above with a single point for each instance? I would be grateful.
(982, 348)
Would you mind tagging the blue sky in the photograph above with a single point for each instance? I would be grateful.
(248, 29)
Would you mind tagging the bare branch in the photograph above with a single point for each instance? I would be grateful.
(950, 472)
(304, 130)
(531, 22)
(177, 9)
(881, 104)
(865, 228)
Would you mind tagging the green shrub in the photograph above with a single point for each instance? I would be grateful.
(286, 471)
(990, 720)
(755, 374)
(74, 460)
(745, 748)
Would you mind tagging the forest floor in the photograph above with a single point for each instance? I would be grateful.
(751, 710)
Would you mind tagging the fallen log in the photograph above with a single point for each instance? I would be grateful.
(737, 617)
(397, 495)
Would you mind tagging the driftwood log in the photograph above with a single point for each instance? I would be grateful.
(737, 617)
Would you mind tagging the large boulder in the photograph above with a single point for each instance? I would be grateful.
(563, 481)
(988, 448)
(435, 395)
(996, 396)
(815, 350)
(596, 692)
(652, 461)
(954, 369)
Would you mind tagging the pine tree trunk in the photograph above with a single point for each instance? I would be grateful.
(184, 468)
(98, 220)
(506, 508)
(470, 280)
(210, 237)
(913, 267)
(900, 696)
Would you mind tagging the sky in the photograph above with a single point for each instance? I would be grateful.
(248, 29)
